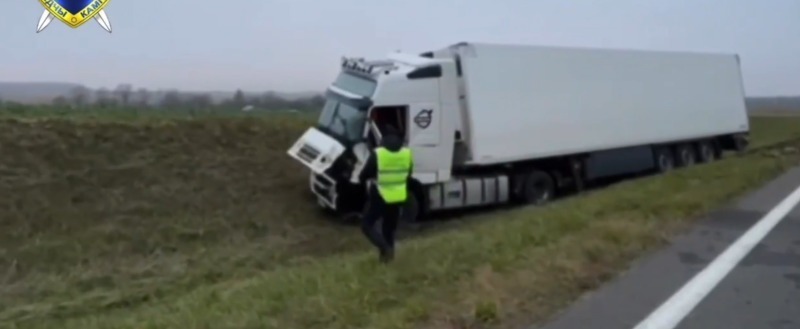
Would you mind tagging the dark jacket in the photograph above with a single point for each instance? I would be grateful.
(391, 143)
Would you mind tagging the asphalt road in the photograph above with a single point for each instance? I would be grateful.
(761, 291)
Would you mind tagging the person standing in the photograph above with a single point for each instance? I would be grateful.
(387, 173)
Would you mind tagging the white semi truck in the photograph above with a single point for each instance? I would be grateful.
(491, 124)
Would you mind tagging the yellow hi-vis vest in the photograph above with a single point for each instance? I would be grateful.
(393, 171)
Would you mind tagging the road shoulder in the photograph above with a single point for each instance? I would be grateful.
(629, 298)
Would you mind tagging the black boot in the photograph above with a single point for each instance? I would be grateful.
(387, 255)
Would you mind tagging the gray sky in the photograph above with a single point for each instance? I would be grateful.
(295, 45)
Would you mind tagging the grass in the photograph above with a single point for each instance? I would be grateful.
(114, 214)
(207, 224)
(766, 130)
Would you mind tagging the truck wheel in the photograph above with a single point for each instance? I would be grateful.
(664, 160)
(537, 188)
(706, 152)
(686, 155)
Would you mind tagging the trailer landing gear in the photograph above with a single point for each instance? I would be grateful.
(576, 166)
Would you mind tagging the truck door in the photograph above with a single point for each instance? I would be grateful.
(420, 124)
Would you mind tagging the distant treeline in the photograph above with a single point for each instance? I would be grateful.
(125, 96)
(773, 103)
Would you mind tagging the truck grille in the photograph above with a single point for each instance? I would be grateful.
(308, 153)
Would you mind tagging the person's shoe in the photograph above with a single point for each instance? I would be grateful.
(387, 255)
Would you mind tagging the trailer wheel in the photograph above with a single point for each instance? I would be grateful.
(537, 188)
(686, 155)
(664, 160)
(706, 152)
(740, 143)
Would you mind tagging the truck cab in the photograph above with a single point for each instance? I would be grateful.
(416, 95)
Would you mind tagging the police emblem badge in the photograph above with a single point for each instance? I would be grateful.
(74, 13)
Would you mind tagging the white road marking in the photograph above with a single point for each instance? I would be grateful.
(672, 311)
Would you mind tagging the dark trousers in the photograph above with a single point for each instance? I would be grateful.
(377, 209)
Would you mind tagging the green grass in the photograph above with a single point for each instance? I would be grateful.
(208, 224)
(515, 266)
(100, 214)
(769, 130)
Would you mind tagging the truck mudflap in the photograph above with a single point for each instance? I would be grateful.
(324, 188)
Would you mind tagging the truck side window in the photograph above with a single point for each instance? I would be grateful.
(395, 116)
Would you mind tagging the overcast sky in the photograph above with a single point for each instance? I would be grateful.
(295, 45)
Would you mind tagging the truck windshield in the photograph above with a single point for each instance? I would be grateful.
(343, 119)
(355, 84)
(346, 117)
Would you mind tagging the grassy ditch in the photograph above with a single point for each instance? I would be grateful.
(100, 215)
(765, 130)
(513, 268)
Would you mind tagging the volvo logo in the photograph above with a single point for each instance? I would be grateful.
(423, 118)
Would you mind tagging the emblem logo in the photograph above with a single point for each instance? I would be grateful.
(423, 118)
(74, 13)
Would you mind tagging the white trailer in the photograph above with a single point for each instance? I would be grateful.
(492, 123)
